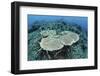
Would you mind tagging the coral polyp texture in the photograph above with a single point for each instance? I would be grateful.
(57, 39)
(51, 44)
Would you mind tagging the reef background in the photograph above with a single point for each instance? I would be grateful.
(79, 50)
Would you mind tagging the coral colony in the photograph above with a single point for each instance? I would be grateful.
(56, 40)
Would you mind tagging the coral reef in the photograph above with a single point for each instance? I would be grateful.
(71, 33)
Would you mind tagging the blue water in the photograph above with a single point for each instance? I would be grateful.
(80, 20)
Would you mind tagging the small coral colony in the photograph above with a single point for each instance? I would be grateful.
(57, 39)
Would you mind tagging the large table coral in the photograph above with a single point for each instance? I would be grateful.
(54, 42)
